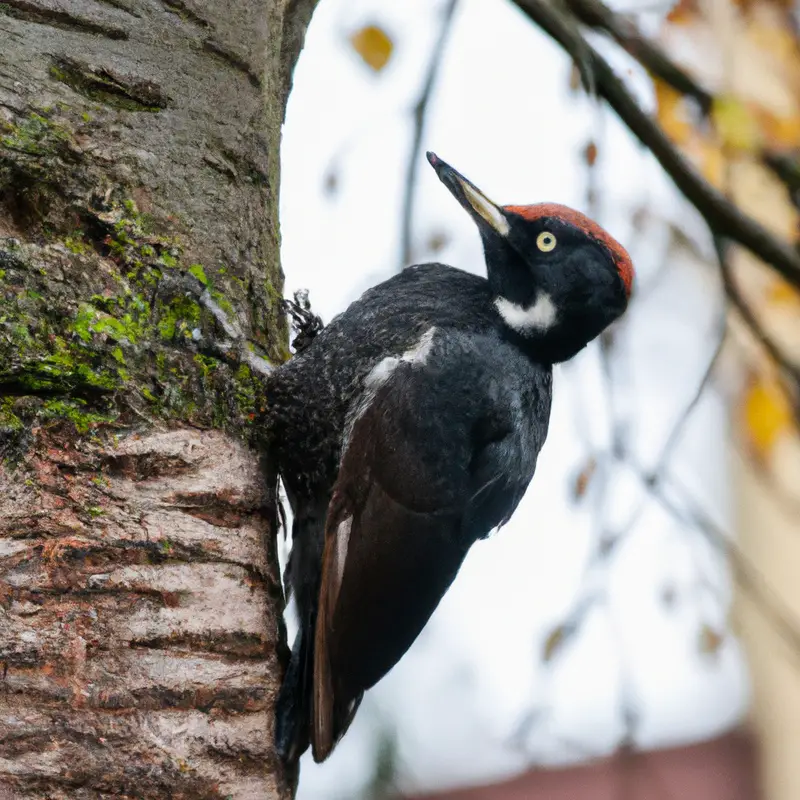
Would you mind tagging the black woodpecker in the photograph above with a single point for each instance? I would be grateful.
(409, 428)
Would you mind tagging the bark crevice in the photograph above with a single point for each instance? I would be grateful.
(118, 602)
(57, 18)
(126, 92)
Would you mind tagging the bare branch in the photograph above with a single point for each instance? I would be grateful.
(419, 114)
(722, 216)
(777, 613)
(790, 367)
(599, 16)
(786, 167)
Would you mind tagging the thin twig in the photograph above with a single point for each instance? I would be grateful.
(781, 617)
(790, 367)
(599, 16)
(722, 216)
(419, 113)
(677, 430)
(675, 434)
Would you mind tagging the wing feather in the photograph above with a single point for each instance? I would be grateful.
(409, 501)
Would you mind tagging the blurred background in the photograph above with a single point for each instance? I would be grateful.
(632, 632)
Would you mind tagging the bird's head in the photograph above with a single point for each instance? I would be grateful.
(558, 278)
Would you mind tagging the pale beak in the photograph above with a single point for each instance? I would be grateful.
(482, 209)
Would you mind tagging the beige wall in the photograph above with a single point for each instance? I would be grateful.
(747, 54)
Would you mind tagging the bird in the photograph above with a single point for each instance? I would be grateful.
(409, 428)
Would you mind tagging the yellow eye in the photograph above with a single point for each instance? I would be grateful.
(546, 241)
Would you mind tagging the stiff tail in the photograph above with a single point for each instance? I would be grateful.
(293, 709)
(294, 705)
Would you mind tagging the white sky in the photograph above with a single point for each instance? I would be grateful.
(502, 115)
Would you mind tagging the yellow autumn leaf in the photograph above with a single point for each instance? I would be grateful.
(672, 112)
(782, 293)
(735, 123)
(710, 160)
(767, 415)
(683, 12)
(374, 46)
(779, 131)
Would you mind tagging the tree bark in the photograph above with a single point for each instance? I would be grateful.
(140, 286)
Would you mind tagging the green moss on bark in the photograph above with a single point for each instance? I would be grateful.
(99, 316)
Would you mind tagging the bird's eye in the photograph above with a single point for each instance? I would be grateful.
(545, 241)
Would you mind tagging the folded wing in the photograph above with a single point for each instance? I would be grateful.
(440, 453)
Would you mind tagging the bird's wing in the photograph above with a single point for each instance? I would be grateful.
(432, 463)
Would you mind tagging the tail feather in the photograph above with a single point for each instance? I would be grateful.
(332, 712)
(293, 708)
(301, 577)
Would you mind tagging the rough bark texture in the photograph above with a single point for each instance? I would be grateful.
(140, 620)
(139, 299)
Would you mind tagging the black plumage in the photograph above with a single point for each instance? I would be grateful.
(409, 428)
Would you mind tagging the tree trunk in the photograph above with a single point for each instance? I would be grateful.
(140, 603)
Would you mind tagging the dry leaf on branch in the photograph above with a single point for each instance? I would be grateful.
(374, 45)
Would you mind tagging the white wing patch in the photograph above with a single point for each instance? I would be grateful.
(380, 373)
(540, 315)
(417, 354)
(342, 541)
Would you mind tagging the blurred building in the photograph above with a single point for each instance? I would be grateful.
(720, 769)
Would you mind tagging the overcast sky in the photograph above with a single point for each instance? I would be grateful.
(472, 700)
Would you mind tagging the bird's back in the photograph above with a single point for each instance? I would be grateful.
(309, 398)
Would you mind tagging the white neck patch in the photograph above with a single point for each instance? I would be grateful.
(540, 316)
